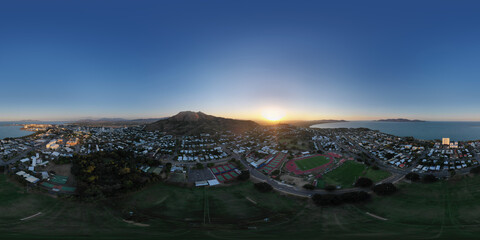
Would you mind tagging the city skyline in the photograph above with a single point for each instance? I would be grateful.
(350, 60)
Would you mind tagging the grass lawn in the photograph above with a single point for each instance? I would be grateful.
(294, 144)
(169, 212)
(442, 210)
(350, 171)
(177, 177)
(313, 162)
(225, 203)
(376, 175)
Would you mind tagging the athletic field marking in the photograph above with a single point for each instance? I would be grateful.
(251, 200)
(163, 199)
(377, 217)
(339, 223)
(34, 215)
(137, 224)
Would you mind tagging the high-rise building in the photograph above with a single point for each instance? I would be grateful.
(445, 141)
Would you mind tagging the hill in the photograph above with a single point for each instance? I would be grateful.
(187, 123)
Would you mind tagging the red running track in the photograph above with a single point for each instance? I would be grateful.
(292, 167)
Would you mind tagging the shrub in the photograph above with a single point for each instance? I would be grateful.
(385, 189)
(263, 187)
(355, 197)
(475, 170)
(168, 167)
(199, 166)
(412, 176)
(326, 199)
(363, 182)
(245, 175)
(330, 188)
(309, 186)
(429, 178)
(332, 199)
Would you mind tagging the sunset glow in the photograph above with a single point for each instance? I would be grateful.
(273, 114)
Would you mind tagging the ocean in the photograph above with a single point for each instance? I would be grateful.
(456, 131)
(12, 131)
(8, 131)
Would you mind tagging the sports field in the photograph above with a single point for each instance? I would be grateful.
(350, 171)
(442, 210)
(313, 162)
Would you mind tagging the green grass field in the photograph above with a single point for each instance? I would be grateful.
(350, 171)
(442, 210)
(313, 162)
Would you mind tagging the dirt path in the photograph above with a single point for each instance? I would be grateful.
(34, 215)
(377, 217)
(251, 200)
(137, 224)
(161, 200)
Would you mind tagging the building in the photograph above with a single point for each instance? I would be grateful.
(51, 143)
(72, 142)
(445, 141)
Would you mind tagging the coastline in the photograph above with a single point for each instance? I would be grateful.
(16, 133)
(428, 130)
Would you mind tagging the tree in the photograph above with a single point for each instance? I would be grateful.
(199, 166)
(276, 172)
(385, 189)
(263, 187)
(429, 178)
(326, 199)
(363, 182)
(452, 172)
(412, 176)
(309, 186)
(330, 188)
(105, 174)
(355, 197)
(168, 167)
(475, 170)
(244, 175)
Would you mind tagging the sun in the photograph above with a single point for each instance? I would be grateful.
(273, 114)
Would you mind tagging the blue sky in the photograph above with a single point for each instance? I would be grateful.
(313, 59)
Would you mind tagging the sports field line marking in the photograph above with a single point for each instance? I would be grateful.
(162, 200)
(375, 216)
(339, 223)
(137, 224)
(251, 200)
(34, 215)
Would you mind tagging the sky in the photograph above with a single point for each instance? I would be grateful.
(353, 60)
